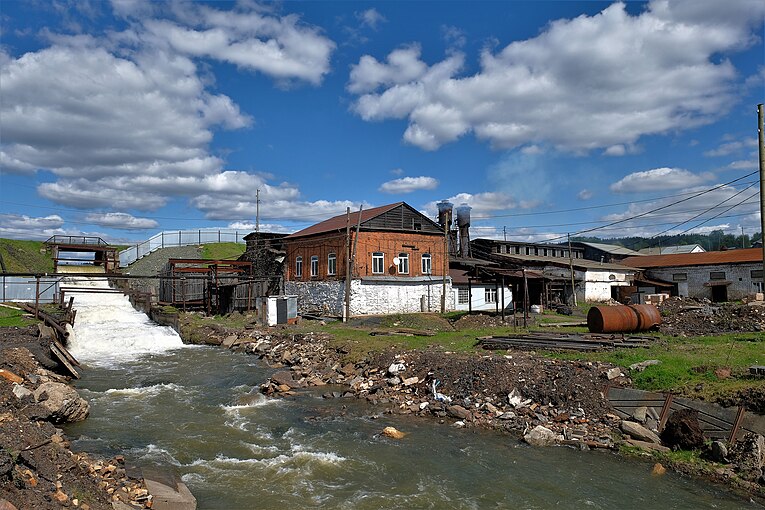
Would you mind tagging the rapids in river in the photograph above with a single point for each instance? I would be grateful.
(197, 410)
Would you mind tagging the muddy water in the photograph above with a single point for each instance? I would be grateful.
(197, 410)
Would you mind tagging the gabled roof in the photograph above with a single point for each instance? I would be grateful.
(338, 223)
(671, 250)
(706, 258)
(609, 248)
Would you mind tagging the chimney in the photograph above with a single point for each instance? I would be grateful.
(463, 224)
(444, 212)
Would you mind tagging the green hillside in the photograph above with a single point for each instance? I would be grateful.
(25, 256)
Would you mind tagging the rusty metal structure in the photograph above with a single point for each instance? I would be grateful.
(103, 257)
(616, 319)
(216, 286)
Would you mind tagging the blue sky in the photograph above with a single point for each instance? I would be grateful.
(124, 118)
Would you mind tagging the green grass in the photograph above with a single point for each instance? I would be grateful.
(14, 318)
(688, 365)
(222, 251)
(25, 256)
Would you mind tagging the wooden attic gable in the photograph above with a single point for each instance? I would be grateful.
(403, 218)
(398, 217)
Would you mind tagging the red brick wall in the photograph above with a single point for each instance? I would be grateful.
(389, 243)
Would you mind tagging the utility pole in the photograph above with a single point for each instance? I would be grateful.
(761, 144)
(347, 264)
(571, 268)
(504, 232)
(257, 220)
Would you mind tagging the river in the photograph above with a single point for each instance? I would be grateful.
(197, 410)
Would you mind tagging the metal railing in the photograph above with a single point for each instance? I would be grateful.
(81, 240)
(171, 238)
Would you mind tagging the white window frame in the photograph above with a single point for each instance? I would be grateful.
(463, 296)
(427, 263)
(490, 295)
(299, 267)
(378, 259)
(332, 264)
(314, 265)
(403, 263)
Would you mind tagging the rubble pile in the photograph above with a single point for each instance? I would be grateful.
(696, 317)
(37, 468)
(514, 393)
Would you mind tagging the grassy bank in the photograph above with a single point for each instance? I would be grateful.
(10, 317)
(25, 256)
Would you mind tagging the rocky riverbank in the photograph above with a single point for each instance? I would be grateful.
(37, 468)
(542, 400)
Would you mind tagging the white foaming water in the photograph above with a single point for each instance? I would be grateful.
(109, 330)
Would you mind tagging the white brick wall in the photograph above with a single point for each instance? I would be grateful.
(368, 298)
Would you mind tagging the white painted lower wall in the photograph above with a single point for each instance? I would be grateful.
(478, 298)
(598, 284)
(370, 297)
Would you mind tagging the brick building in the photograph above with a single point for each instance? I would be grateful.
(397, 257)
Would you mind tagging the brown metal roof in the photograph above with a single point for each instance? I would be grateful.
(696, 259)
(339, 222)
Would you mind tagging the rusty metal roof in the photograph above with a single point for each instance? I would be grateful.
(339, 222)
(696, 259)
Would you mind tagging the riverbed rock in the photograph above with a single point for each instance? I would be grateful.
(393, 433)
(458, 412)
(540, 436)
(229, 341)
(658, 470)
(61, 403)
(683, 431)
(639, 432)
(284, 378)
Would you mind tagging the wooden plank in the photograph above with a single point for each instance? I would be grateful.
(754, 423)
(59, 355)
(66, 353)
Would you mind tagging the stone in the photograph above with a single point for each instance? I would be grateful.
(613, 373)
(396, 368)
(640, 414)
(229, 341)
(719, 452)
(682, 430)
(6, 505)
(639, 432)
(410, 381)
(658, 470)
(639, 367)
(284, 378)
(393, 433)
(22, 393)
(459, 412)
(61, 403)
(60, 496)
(540, 436)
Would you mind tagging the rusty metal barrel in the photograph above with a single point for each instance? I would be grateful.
(622, 319)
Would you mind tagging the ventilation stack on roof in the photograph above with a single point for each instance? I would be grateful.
(463, 224)
(444, 212)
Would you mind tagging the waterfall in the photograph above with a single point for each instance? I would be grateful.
(109, 330)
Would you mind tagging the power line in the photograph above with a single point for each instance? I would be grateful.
(659, 208)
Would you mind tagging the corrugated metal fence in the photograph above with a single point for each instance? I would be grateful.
(170, 238)
(24, 288)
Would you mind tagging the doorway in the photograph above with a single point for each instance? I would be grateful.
(719, 293)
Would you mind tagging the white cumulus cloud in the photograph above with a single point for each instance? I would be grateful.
(409, 184)
(121, 221)
(659, 179)
(592, 82)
